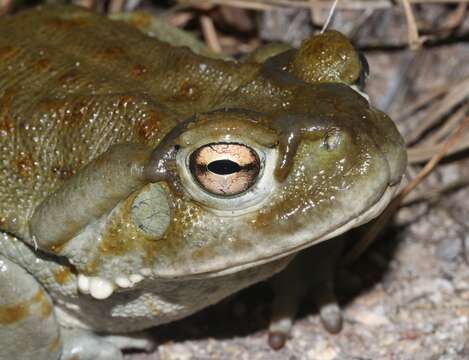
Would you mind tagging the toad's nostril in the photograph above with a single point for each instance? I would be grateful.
(332, 139)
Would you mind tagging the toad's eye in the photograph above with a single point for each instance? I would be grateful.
(225, 168)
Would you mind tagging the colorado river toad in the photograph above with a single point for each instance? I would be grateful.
(140, 182)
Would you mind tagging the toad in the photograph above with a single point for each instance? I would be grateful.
(140, 182)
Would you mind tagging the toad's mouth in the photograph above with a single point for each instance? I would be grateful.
(370, 213)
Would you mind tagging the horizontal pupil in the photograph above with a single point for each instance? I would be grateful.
(223, 167)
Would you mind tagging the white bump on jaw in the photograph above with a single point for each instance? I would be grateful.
(100, 288)
(123, 282)
(136, 278)
(3, 266)
(83, 284)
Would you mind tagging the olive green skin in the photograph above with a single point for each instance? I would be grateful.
(74, 86)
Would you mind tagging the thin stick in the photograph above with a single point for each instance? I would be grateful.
(425, 100)
(329, 17)
(210, 34)
(456, 17)
(386, 215)
(326, 4)
(422, 153)
(458, 93)
(435, 193)
(88, 4)
(233, 3)
(314, 12)
(116, 6)
(5, 6)
(415, 42)
(449, 125)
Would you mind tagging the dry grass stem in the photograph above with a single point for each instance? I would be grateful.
(423, 153)
(254, 5)
(180, 19)
(456, 17)
(434, 193)
(319, 4)
(457, 94)
(5, 6)
(116, 6)
(88, 4)
(447, 127)
(380, 222)
(424, 101)
(330, 16)
(450, 142)
(210, 34)
(415, 42)
(425, 150)
(315, 12)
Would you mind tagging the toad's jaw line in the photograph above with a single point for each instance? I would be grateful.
(372, 212)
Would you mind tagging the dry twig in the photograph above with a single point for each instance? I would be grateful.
(423, 101)
(422, 153)
(321, 4)
(330, 16)
(87, 4)
(456, 17)
(5, 6)
(431, 145)
(456, 95)
(415, 42)
(433, 194)
(210, 34)
(448, 126)
(116, 6)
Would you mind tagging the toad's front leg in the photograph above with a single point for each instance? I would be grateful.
(33, 328)
(88, 195)
(28, 327)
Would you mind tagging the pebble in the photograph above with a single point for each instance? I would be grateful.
(174, 352)
(323, 351)
(368, 317)
(449, 249)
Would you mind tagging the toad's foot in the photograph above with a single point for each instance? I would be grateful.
(291, 285)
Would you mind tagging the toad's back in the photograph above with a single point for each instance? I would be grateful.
(70, 88)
